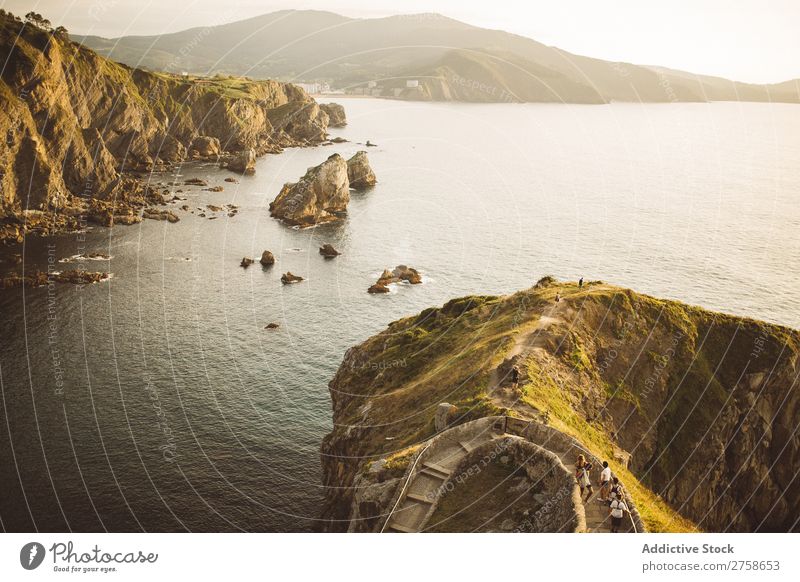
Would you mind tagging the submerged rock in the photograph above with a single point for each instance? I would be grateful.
(272, 325)
(195, 182)
(359, 172)
(80, 277)
(328, 251)
(288, 278)
(246, 262)
(40, 279)
(267, 259)
(321, 195)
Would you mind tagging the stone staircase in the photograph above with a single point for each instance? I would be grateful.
(429, 474)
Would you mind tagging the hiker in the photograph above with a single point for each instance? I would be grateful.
(514, 376)
(558, 297)
(582, 468)
(618, 510)
(605, 482)
(617, 491)
(580, 283)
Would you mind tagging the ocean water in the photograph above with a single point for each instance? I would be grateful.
(157, 401)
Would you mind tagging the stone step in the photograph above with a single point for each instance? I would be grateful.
(467, 446)
(418, 497)
(432, 473)
(436, 468)
(401, 528)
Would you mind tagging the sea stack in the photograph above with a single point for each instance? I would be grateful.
(267, 259)
(336, 115)
(359, 172)
(321, 195)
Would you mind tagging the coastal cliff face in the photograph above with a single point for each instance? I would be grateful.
(73, 123)
(695, 410)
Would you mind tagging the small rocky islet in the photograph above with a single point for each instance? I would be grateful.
(401, 273)
(322, 194)
(41, 279)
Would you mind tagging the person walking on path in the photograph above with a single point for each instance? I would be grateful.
(605, 482)
(616, 489)
(618, 510)
(582, 468)
(580, 283)
(558, 297)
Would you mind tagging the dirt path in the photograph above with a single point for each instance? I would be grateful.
(527, 341)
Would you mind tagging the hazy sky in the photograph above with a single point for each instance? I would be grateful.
(747, 40)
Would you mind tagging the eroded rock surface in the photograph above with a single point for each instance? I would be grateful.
(359, 172)
(321, 195)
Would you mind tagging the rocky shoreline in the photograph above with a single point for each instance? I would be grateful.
(81, 132)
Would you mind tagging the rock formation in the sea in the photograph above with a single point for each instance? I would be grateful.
(157, 214)
(243, 162)
(77, 128)
(195, 182)
(359, 172)
(328, 251)
(336, 114)
(272, 325)
(398, 274)
(267, 259)
(246, 262)
(289, 278)
(40, 278)
(695, 411)
(378, 288)
(321, 195)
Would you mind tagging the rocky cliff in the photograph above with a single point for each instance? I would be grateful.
(696, 411)
(74, 125)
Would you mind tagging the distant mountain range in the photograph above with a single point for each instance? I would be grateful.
(422, 56)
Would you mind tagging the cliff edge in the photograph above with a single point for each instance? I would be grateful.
(695, 410)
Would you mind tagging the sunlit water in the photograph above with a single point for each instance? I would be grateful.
(158, 401)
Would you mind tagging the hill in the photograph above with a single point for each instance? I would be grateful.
(77, 127)
(694, 410)
(450, 60)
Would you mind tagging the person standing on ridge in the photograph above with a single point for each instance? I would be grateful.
(580, 283)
